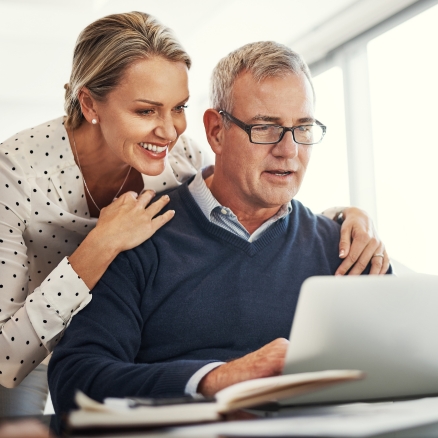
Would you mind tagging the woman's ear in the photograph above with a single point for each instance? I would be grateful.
(214, 129)
(88, 106)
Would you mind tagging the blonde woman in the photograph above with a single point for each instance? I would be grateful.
(73, 190)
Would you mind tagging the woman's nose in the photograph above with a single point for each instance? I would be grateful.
(166, 128)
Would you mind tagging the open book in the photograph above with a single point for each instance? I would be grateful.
(124, 413)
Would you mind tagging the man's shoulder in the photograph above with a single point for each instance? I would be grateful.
(306, 217)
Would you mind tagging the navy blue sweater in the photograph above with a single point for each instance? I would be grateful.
(192, 294)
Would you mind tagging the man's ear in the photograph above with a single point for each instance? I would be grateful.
(88, 105)
(214, 129)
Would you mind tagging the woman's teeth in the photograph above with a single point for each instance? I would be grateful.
(153, 147)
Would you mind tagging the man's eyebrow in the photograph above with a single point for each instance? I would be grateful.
(152, 102)
(264, 118)
(273, 119)
(306, 120)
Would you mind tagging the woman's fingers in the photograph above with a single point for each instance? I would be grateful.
(377, 260)
(157, 206)
(131, 219)
(146, 197)
(162, 219)
(385, 264)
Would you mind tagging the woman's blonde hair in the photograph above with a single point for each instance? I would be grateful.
(105, 48)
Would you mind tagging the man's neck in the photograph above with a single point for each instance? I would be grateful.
(251, 218)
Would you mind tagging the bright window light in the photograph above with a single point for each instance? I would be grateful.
(404, 94)
(326, 181)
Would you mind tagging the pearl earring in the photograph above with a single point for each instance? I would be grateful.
(94, 121)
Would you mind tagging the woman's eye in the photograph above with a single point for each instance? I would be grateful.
(146, 112)
(180, 108)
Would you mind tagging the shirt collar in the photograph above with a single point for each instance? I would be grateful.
(207, 202)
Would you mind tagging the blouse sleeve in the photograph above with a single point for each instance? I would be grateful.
(30, 326)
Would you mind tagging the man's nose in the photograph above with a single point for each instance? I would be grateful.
(287, 147)
(166, 128)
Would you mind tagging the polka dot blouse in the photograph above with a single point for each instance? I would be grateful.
(43, 218)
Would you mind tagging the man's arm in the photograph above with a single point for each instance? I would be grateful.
(98, 352)
(265, 362)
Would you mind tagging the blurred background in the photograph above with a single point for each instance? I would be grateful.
(375, 69)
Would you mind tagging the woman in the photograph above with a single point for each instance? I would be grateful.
(123, 131)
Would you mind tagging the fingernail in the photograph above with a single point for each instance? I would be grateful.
(341, 253)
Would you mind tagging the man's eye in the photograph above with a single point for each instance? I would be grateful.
(305, 128)
(261, 128)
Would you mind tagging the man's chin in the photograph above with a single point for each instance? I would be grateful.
(277, 201)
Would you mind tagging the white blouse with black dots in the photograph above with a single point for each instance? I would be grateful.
(43, 218)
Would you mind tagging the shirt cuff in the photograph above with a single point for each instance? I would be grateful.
(51, 306)
(192, 384)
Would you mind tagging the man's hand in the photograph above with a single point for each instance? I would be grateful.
(360, 244)
(265, 362)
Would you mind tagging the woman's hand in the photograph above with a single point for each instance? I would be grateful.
(122, 225)
(360, 244)
(129, 221)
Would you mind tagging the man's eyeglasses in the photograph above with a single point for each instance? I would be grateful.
(272, 134)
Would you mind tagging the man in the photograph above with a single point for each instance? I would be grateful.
(209, 300)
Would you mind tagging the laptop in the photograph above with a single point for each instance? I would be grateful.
(386, 326)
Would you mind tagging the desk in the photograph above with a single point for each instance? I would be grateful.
(415, 418)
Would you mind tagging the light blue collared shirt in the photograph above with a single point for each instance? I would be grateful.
(225, 218)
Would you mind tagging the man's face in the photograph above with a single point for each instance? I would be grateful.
(260, 175)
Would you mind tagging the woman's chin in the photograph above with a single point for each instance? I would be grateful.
(152, 169)
(151, 163)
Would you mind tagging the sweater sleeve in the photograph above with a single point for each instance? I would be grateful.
(98, 353)
(30, 328)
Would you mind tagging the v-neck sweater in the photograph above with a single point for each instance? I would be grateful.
(192, 294)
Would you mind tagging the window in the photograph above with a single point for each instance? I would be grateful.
(326, 181)
(403, 75)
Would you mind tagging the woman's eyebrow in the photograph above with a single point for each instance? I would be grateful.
(152, 102)
(183, 101)
(149, 101)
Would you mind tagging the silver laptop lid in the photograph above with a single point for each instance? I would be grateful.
(386, 326)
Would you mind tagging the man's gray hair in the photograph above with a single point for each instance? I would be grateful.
(262, 59)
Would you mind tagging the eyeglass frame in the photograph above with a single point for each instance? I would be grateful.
(247, 128)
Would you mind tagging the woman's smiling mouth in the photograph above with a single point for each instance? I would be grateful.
(153, 147)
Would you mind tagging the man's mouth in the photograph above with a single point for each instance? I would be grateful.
(279, 172)
(153, 147)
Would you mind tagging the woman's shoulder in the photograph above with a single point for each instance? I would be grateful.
(39, 148)
(188, 152)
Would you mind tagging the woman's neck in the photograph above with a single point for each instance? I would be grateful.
(103, 171)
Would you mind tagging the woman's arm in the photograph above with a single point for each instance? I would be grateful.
(359, 244)
(30, 327)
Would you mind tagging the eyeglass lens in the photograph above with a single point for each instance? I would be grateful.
(307, 134)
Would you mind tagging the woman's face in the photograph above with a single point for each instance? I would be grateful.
(142, 118)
